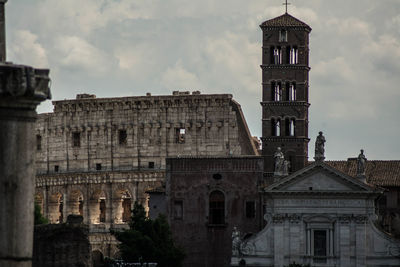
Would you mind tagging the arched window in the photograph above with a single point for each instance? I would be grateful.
(216, 208)
(278, 92)
(292, 92)
(292, 127)
(294, 55)
(278, 127)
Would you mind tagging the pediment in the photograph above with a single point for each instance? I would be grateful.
(319, 177)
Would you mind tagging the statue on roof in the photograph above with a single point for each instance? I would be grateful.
(361, 163)
(320, 147)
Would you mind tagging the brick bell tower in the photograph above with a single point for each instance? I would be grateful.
(285, 68)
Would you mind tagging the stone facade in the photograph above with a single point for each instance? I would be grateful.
(96, 157)
(323, 217)
(206, 198)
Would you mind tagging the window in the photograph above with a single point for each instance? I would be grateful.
(98, 166)
(178, 210)
(320, 237)
(56, 168)
(102, 218)
(276, 127)
(292, 127)
(217, 176)
(292, 92)
(250, 209)
(180, 135)
(293, 55)
(283, 36)
(76, 139)
(278, 92)
(320, 245)
(122, 137)
(277, 52)
(38, 142)
(151, 165)
(216, 208)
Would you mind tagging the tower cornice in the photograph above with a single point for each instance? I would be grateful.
(285, 66)
(285, 103)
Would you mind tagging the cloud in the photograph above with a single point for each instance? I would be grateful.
(177, 77)
(77, 54)
(26, 49)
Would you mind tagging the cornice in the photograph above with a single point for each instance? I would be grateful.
(285, 103)
(285, 66)
(97, 177)
(285, 139)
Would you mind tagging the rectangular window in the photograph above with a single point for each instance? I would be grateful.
(122, 137)
(76, 139)
(151, 165)
(98, 166)
(320, 243)
(56, 168)
(178, 210)
(38, 142)
(250, 209)
(180, 135)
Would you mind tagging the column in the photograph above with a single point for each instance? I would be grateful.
(22, 88)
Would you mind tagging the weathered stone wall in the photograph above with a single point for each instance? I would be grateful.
(83, 133)
(190, 186)
(61, 245)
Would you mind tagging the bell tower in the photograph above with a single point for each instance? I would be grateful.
(285, 68)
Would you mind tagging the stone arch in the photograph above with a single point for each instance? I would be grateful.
(55, 207)
(98, 258)
(39, 200)
(97, 206)
(75, 202)
(122, 205)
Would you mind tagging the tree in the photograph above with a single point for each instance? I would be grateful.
(39, 219)
(149, 240)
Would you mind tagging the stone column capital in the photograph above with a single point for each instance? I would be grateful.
(23, 86)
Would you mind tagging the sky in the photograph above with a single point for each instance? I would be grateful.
(114, 48)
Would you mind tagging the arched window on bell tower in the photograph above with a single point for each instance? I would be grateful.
(292, 92)
(276, 55)
(276, 127)
(277, 91)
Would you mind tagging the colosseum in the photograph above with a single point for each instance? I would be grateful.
(96, 156)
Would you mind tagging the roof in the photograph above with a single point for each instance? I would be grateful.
(378, 172)
(324, 167)
(284, 20)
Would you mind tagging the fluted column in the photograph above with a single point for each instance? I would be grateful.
(22, 88)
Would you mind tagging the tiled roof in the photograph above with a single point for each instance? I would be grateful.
(284, 20)
(378, 172)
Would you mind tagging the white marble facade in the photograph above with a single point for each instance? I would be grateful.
(322, 217)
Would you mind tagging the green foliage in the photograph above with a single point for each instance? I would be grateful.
(149, 240)
(39, 219)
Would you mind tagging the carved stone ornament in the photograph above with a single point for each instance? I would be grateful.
(278, 218)
(344, 219)
(279, 162)
(247, 248)
(236, 241)
(24, 81)
(360, 219)
(294, 218)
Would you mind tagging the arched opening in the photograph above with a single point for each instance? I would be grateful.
(39, 202)
(278, 92)
(122, 205)
(55, 207)
(216, 208)
(97, 207)
(126, 207)
(75, 203)
(97, 259)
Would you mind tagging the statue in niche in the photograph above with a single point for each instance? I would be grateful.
(361, 163)
(279, 161)
(320, 147)
(236, 241)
